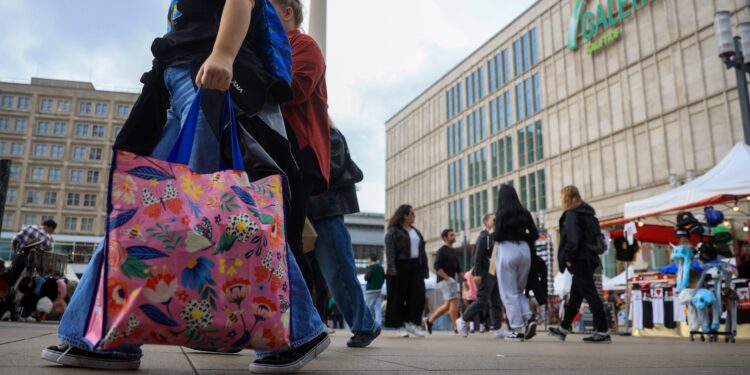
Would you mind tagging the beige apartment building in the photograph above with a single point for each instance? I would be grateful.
(58, 136)
(632, 98)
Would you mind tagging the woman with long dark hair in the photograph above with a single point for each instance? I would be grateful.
(514, 234)
(407, 269)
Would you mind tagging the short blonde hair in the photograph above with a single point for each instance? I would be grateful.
(571, 197)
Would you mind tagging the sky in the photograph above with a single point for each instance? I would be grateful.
(380, 55)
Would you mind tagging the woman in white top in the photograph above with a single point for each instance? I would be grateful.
(406, 271)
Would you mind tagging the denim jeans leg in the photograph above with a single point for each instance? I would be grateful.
(305, 322)
(73, 323)
(374, 303)
(333, 250)
(205, 154)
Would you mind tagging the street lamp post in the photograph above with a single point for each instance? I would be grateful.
(735, 51)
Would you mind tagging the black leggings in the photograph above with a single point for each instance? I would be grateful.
(405, 294)
(584, 287)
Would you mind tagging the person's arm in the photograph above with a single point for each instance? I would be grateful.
(216, 71)
(368, 273)
(481, 261)
(390, 251)
(308, 68)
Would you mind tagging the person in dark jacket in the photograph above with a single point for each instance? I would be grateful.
(514, 232)
(488, 294)
(406, 271)
(577, 231)
(333, 248)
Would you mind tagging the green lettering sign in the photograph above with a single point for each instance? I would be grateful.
(590, 24)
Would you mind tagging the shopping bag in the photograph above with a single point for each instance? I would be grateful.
(196, 260)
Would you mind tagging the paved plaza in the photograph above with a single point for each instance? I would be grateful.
(441, 353)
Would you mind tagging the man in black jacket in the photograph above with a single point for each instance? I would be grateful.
(333, 247)
(488, 294)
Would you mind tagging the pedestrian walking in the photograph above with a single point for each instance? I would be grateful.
(375, 277)
(488, 295)
(469, 296)
(578, 234)
(448, 270)
(514, 231)
(406, 271)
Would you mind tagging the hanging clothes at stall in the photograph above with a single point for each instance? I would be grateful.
(657, 301)
(743, 307)
(669, 307)
(648, 311)
(636, 307)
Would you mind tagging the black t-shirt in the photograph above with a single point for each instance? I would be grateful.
(447, 260)
(191, 31)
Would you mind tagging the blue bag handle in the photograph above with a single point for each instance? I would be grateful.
(183, 145)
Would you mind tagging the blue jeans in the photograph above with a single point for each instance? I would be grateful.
(374, 302)
(305, 322)
(334, 253)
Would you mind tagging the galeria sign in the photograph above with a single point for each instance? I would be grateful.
(605, 22)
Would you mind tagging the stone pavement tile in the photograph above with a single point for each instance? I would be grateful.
(213, 361)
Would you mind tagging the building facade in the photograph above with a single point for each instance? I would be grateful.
(634, 95)
(366, 231)
(59, 136)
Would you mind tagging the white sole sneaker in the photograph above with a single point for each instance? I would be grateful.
(530, 331)
(88, 362)
(294, 366)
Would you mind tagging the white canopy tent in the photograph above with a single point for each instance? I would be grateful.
(727, 181)
(618, 282)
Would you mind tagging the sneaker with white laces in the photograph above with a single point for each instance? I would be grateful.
(515, 335)
(402, 332)
(413, 329)
(559, 332)
(463, 327)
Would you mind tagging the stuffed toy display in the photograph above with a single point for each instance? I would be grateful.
(683, 256)
(702, 299)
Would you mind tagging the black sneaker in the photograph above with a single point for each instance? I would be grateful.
(428, 325)
(361, 340)
(558, 332)
(70, 356)
(598, 338)
(530, 328)
(514, 336)
(291, 360)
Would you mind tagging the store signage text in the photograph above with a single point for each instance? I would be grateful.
(605, 21)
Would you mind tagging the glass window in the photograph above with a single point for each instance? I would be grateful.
(506, 67)
(82, 130)
(74, 199)
(481, 82)
(63, 106)
(53, 174)
(89, 200)
(95, 153)
(76, 175)
(102, 109)
(471, 211)
(23, 102)
(468, 90)
(532, 192)
(530, 144)
(33, 197)
(460, 104)
(42, 127)
(491, 74)
(521, 147)
(79, 152)
(537, 93)
(92, 177)
(493, 156)
(50, 198)
(61, 128)
(480, 114)
(8, 219)
(16, 149)
(40, 150)
(15, 172)
(45, 105)
(526, 52)
(529, 97)
(7, 101)
(84, 107)
(523, 191)
(117, 131)
(484, 165)
(500, 107)
(37, 174)
(30, 219)
(485, 206)
(71, 223)
(470, 163)
(517, 57)
(4, 124)
(123, 110)
(509, 153)
(508, 112)
(56, 151)
(501, 156)
(3, 147)
(542, 191)
(20, 126)
(520, 105)
(10, 196)
(450, 178)
(448, 104)
(461, 174)
(539, 142)
(87, 224)
(534, 49)
(97, 131)
(493, 117)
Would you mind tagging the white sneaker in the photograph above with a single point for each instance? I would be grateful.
(413, 329)
(6, 316)
(402, 332)
(500, 333)
(482, 328)
(463, 327)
